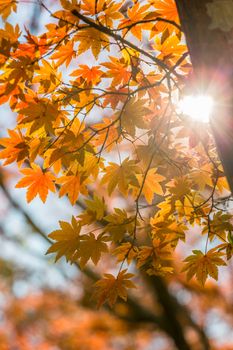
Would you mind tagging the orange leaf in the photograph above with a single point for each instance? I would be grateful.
(64, 54)
(6, 6)
(90, 75)
(39, 182)
(70, 186)
(15, 148)
(117, 70)
(151, 184)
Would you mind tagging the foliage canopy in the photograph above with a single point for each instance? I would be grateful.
(97, 121)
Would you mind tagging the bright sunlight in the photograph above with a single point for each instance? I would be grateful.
(197, 107)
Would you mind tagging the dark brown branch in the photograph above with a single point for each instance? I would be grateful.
(157, 19)
(119, 38)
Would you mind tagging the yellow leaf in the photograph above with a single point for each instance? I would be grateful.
(126, 251)
(203, 265)
(93, 39)
(91, 248)
(67, 240)
(97, 206)
(121, 176)
(133, 116)
(119, 224)
(151, 185)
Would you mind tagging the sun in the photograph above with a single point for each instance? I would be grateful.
(197, 107)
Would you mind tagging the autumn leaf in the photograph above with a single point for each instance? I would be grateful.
(47, 77)
(120, 176)
(155, 259)
(110, 288)
(107, 10)
(40, 114)
(70, 185)
(67, 240)
(126, 251)
(76, 247)
(97, 206)
(151, 184)
(37, 181)
(107, 133)
(118, 71)
(64, 54)
(91, 248)
(15, 148)
(95, 210)
(93, 39)
(203, 265)
(170, 49)
(6, 7)
(136, 13)
(119, 224)
(164, 9)
(133, 116)
(91, 75)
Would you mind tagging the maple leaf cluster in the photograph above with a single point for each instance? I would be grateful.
(97, 122)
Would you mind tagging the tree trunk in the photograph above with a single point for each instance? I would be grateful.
(208, 27)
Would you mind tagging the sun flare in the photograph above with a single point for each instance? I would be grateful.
(197, 107)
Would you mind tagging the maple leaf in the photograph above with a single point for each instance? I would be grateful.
(203, 176)
(135, 14)
(169, 230)
(70, 186)
(179, 188)
(73, 184)
(67, 240)
(170, 49)
(121, 176)
(155, 259)
(133, 116)
(40, 114)
(110, 288)
(115, 96)
(96, 208)
(47, 77)
(91, 248)
(64, 54)
(107, 133)
(6, 7)
(203, 265)
(218, 226)
(165, 9)
(107, 10)
(93, 39)
(119, 224)
(15, 148)
(151, 184)
(117, 70)
(126, 251)
(89, 75)
(37, 181)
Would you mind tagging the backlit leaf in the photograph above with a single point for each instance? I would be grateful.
(38, 182)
